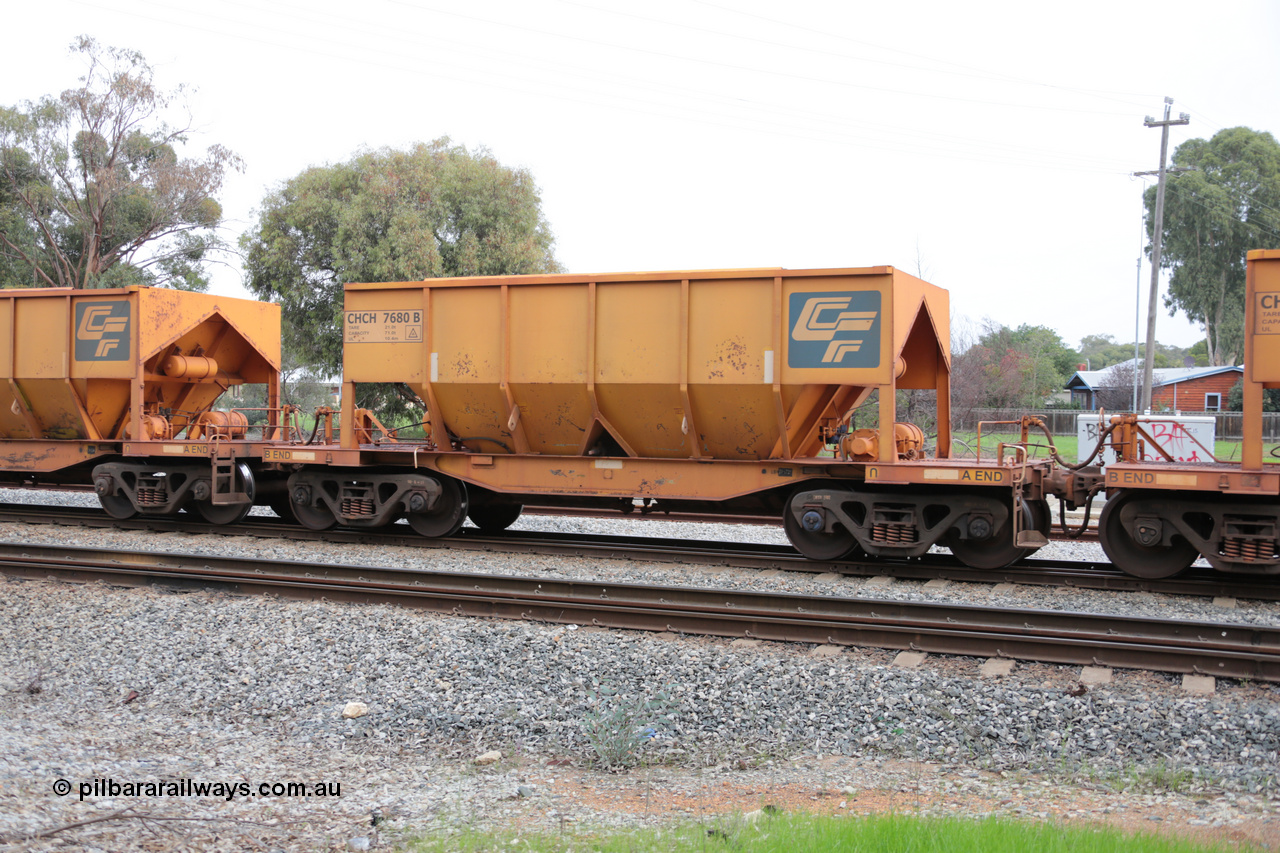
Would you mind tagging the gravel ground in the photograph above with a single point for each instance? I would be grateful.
(144, 685)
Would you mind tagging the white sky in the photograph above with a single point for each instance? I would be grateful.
(987, 145)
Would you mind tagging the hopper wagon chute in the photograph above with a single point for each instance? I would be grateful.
(120, 387)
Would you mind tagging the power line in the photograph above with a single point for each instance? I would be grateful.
(1179, 188)
(991, 74)
(969, 71)
(803, 78)
(824, 127)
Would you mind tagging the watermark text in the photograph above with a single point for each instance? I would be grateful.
(178, 788)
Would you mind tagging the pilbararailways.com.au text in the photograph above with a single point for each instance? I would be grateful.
(191, 788)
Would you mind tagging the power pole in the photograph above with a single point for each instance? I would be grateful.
(1157, 234)
(1137, 312)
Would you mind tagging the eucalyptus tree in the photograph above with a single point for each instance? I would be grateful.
(1227, 204)
(433, 210)
(93, 189)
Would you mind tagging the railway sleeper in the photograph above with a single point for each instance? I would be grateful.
(906, 524)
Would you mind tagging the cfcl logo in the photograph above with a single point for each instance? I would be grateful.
(839, 329)
(102, 331)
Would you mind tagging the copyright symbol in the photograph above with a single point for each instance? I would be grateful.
(62, 787)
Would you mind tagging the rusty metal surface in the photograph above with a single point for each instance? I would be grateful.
(1261, 349)
(1219, 649)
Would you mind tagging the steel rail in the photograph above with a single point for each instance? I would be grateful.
(1223, 650)
(1036, 572)
(1061, 573)
(1056, 533)
(1090, 534)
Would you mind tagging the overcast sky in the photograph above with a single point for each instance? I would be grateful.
(986, 146)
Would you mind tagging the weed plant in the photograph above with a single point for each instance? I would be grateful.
(618, 727)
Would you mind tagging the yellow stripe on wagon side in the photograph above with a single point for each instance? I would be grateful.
(1176, 479)
(1147, 478)
(969, 475)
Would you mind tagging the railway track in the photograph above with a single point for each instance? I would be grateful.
(1040, 572)
(1218, 649)
(1089, 534)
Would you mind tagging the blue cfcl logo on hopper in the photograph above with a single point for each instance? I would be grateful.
(102, 331)
(840, 329)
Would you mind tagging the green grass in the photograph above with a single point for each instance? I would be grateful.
(1066, 444)
(1226, 451)
(889, 833)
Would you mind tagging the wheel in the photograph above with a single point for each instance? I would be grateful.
(118, 506)
(1131, 556)
(224, 514)
(318, 517)
(997, 550)
(446, 516)
(836, 545)
(494, 517)
(228, 513)
(302, 506)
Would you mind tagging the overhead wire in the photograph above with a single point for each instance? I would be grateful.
(822, 127)
(690, 105)
(973, 69)
(980, 74)
(772, 72)
(1190, 196)
(1236, 194)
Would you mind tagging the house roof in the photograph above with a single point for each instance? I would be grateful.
(1095, 379)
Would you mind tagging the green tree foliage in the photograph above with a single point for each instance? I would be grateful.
(1011, 368)
(93, 192)
(15, 226)
(1213, 216)
(1099, 351)
(1200, 352)
(434, 210)
(1235, 398)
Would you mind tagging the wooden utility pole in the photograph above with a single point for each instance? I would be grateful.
(1157, 233)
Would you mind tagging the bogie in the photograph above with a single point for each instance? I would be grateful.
(832, 521)
(433, 504)
(1139, 541)
(1153, 534)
